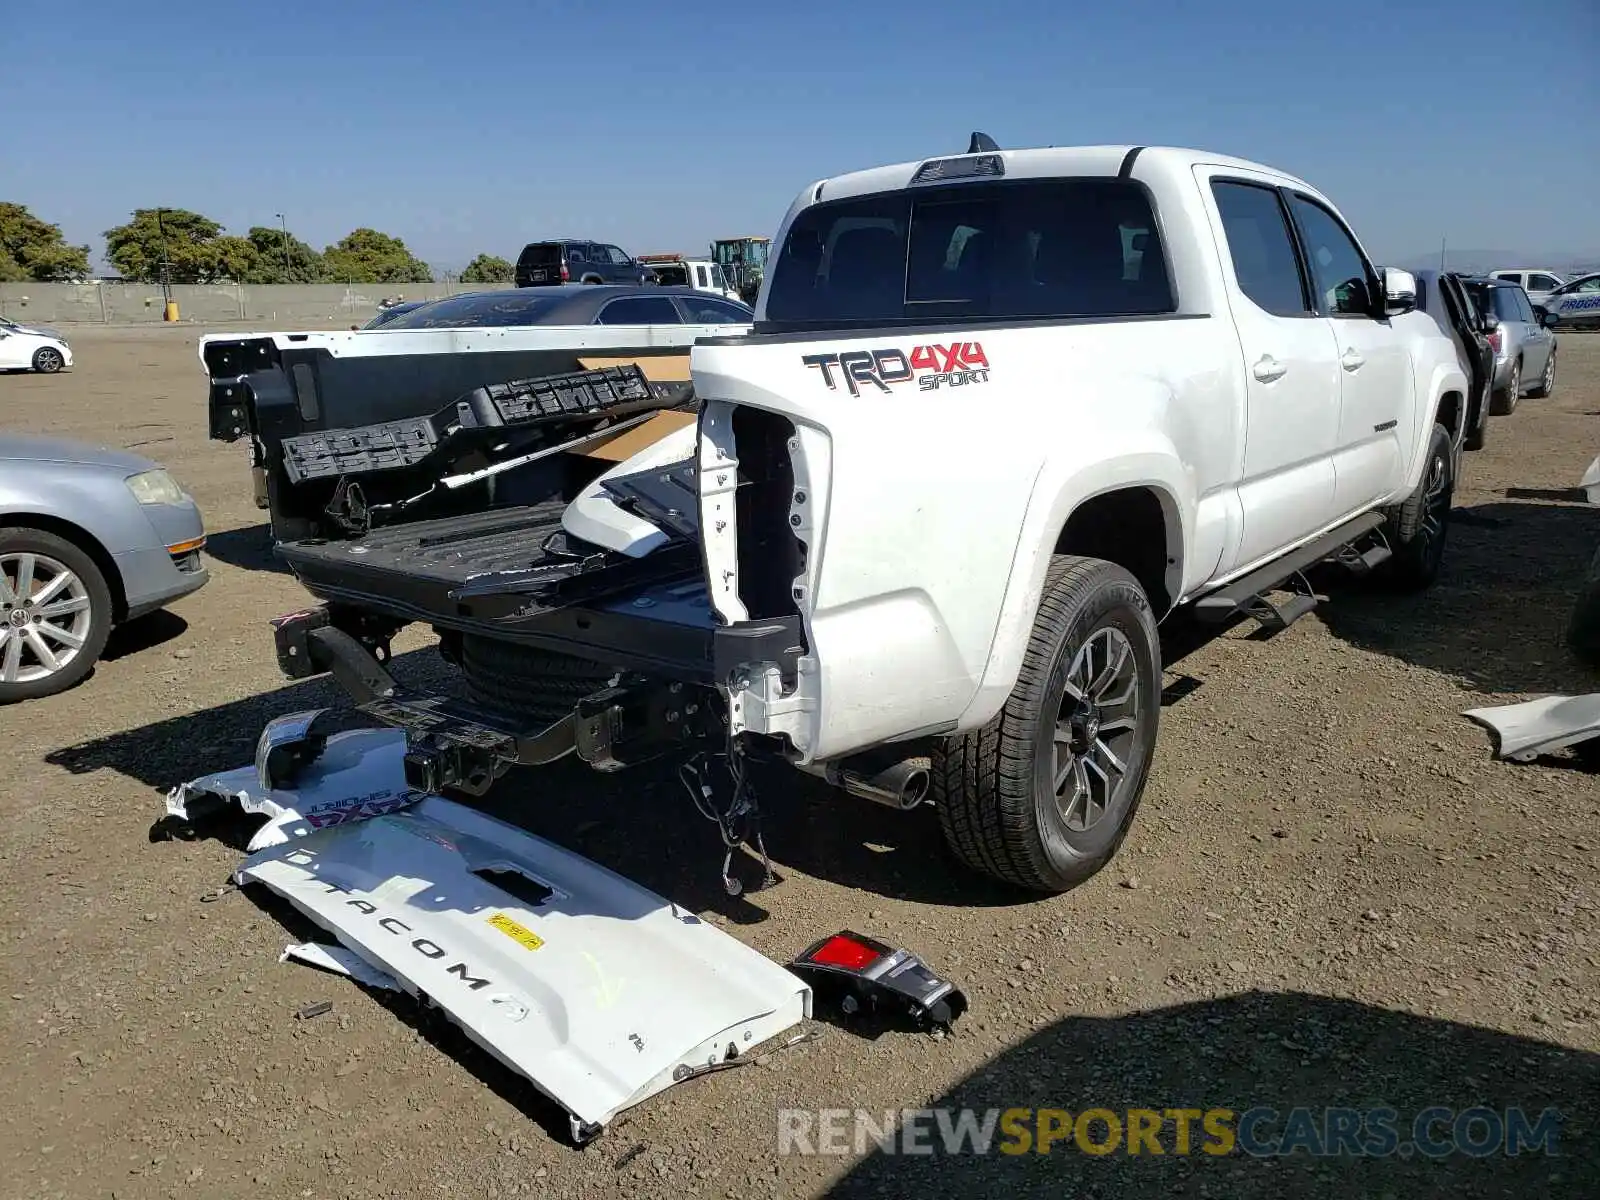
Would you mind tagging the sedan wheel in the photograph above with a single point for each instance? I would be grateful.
(1547, 381)
(55, 614)
(47, 360)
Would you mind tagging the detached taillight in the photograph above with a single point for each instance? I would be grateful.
(858, 974)
(1494, 339)
(848, 951)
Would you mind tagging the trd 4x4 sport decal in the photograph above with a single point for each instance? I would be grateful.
(933, 367)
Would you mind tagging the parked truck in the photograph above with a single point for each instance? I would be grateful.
(998, 415)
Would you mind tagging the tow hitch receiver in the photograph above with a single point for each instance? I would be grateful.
(857, 974)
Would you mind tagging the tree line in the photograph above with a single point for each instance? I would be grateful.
(179, 246)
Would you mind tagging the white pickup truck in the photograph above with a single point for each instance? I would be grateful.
(998, 415)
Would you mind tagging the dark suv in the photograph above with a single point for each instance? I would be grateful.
(567, 260)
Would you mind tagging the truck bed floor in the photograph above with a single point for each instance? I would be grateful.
(448, 549)
(488, 573)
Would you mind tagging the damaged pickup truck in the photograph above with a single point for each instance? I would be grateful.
(998, 415)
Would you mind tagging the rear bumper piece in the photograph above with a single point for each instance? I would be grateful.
(598, 991)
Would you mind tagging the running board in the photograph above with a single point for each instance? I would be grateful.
(1247, 594)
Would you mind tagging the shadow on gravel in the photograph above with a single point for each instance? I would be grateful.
(144, 634)
(1277, 1051)
(249, 548)
(1496, 619)
(639, 822)
(167, 752)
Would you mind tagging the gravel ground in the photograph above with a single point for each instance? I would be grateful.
(1332, 897)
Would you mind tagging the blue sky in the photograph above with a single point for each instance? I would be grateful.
(481, 125)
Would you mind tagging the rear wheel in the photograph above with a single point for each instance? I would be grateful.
(55, 614)
(1505, 399)
(1043, 795)
(47, 360)
(1547, 381)
(1418, 527)
(526, 685)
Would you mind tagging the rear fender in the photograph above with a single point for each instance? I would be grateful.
(1443, 379)
(1148, 461)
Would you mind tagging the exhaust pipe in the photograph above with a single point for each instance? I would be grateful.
(902, 785)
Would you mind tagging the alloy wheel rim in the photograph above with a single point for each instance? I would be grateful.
(49, 359)
(1550, 372)
(1435, 500)
(1095, 728)
(45, 616)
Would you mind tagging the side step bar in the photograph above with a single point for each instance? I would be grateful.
(1247, 594)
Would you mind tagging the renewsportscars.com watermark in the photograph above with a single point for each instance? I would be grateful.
(1435, 1132)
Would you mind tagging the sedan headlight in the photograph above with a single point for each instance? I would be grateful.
(155, 487)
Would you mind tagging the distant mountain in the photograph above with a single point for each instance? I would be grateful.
(1565, 263)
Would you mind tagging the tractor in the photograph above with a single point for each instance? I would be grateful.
(743, 260)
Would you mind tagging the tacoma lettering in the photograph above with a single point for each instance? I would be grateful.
(426, 947)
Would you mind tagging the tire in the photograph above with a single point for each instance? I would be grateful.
(1583, 627)
(994, 789)
(1504, 401)
(527, 685)
(592, 279)
(1419, 526)
(42, 559)
(1547, 381)
(47, 360)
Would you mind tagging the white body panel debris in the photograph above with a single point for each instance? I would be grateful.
(359, 774)
(1590, 483)
(1524, 731)
(339, 961)
(599, 991)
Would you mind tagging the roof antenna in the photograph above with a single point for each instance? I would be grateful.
(981, 143)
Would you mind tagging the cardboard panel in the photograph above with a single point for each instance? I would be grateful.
(658, 368)
(630, 441)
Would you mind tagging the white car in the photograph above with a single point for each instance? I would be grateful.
(26, 348)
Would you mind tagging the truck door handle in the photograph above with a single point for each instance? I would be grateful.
(1352, 360)
(1268, 369)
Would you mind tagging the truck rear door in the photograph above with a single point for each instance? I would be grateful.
(1286, 487)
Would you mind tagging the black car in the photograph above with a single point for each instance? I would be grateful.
(569, 260)
(574, 304)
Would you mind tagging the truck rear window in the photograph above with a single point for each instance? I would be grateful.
(1080, 247)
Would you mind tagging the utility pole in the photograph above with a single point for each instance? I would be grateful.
(287, 269)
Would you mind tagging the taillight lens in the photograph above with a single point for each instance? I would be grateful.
(842, 950)
(1494, 339)
(565, 274)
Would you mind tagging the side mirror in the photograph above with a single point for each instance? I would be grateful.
(1399, 291)
(1546, 318)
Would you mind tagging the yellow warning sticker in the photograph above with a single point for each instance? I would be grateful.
(520, 934)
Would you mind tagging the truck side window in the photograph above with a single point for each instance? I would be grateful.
(1542, 283)
(1337, 265)
(1261, 247)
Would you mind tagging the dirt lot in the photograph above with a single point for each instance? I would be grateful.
(1332, 897)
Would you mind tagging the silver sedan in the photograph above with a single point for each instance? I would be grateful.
(90, 537)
